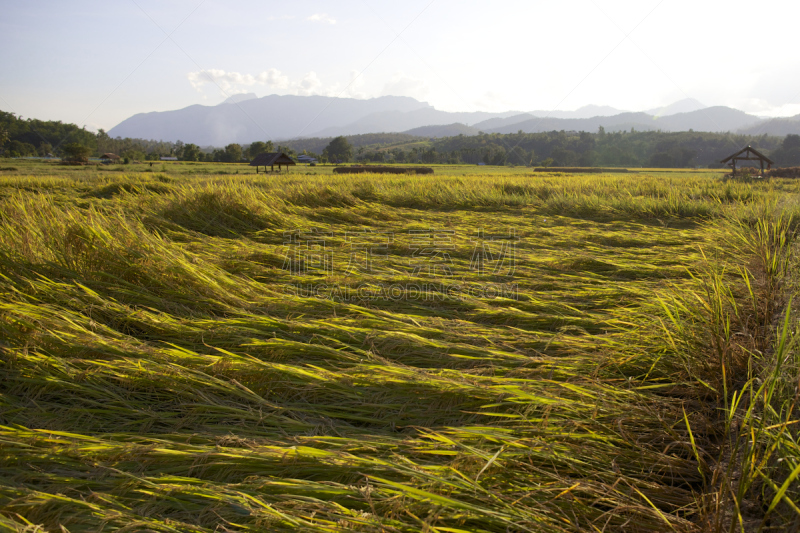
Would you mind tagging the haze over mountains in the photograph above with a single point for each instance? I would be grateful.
(244, 118)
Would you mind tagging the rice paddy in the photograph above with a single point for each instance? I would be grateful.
(496, 351)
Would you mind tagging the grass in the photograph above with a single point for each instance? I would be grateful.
(163, 370)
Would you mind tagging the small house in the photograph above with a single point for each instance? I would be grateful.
(108, 158)
(748, 154)
(271, 160)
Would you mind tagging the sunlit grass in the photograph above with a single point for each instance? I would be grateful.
(161, 371)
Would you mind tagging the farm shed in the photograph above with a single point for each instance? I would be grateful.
(748, 154)
(109, 158)
(271, 159)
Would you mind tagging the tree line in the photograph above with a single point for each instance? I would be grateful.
(32, 137)
(583, 149)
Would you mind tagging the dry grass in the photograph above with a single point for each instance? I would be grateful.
(159, 371)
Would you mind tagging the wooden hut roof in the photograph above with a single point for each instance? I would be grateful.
(109, 155)
(269, 159)
(750, 151)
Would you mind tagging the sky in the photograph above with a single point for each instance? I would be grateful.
(96, 63)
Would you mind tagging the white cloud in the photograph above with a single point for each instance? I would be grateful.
(236, 82)
(273, 78)
(402, 85)
(787, 110)
(322, 17)
(230, 83)
(757, 106)
(226, 81)
(354, 88)
(310, 84)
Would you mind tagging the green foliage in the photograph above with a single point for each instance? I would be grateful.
(339, 150)
(260, 147)
(564, 158)
(16, 148)
(120, 146)
(789, 152)
(631, 149)
(635, 149)
(44, 149)
(233, 153)
(191, 152)
(661, 160)
(36, 132)
(76, 152)
(519, 156)
(608, 149)
(4, 137)
(287, 150)
(134, 155)
(368, 140)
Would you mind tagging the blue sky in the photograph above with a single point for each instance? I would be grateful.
(96, 63)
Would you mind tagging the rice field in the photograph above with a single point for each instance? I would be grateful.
(472, 351)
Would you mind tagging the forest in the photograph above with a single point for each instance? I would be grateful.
(654, 149)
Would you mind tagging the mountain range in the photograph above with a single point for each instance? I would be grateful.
(244, 118)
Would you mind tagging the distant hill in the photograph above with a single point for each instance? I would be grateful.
(450, 130)
(496, 123)
(244, 118)
(238, 98)
(268, 118)
(686, 105)
(712, 119)
(623, 121)
(404, 121)
(775, 126)
(587, 111)
(567, 147)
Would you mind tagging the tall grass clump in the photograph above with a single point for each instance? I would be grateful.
(732, 338)
(221, 210)
(109, 251)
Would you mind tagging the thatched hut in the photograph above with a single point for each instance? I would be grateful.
(271, 159)
(748, 154)
(109, 158)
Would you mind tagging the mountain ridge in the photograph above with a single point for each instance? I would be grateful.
(246, 118)
(712, 119)
(686, 105)
(270, 117)
(448, 130)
